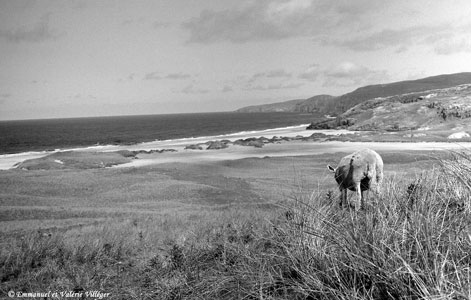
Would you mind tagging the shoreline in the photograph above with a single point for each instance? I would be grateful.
(276, 142)
(8, 161)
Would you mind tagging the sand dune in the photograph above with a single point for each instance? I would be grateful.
(294, 147)
(7, 161)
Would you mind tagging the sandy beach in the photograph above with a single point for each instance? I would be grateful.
(293, 147)
(7, 161)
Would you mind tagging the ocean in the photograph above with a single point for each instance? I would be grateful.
(53, 134)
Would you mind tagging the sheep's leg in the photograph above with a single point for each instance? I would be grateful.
(363, 199)
(343, 197)
(359, 202)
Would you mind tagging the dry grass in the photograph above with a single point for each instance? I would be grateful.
(411, 242)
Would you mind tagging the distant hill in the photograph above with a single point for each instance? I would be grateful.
(286, 106)
(337, 105)
(299, 105)
(317, 103)
(445, 109)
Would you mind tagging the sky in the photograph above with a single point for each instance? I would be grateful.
(80, 58)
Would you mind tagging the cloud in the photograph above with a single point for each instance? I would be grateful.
(348, 74)
(278, 86)
(396, 25)
(349, 10)
(143, 21)
(171, 76)
(382, 39)
(4, 97)
(311, 73)
(260, 20)
(191, 89)
(443, 39)
(128, 22)
(153, 76)
(227, 89)
(82, 98)
(284, 8)
(280, 19)
(452, 43)
(268, 75)
(347, 70)
(177, 76)
(128, 78)
(267, 80)
(278, 73)
(160, 24)
(39, 32)
(234, 25)
(343, 74)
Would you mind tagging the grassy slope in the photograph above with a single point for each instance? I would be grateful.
(349, 100)
(75, 160)
(442, 109)
(205, 232)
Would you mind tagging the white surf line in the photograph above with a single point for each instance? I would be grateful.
(8, 161)
(270, 133)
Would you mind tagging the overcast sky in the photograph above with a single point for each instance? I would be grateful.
(109, 57)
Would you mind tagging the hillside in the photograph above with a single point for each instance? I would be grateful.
(314, 104)
(336, 105)
(446, 109)
(299, 105)
(286, 106)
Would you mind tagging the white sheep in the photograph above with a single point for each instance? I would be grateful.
(359, 172)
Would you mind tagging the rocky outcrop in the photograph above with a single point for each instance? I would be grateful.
(216, 145)
(252, 142)
(194, 147)
(153, 151)
(336, 123)
(127, 153)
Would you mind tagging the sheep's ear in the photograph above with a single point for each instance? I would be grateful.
(331, 169)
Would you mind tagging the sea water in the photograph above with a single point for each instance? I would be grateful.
(52, 134)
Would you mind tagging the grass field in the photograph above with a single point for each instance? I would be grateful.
(255, 228)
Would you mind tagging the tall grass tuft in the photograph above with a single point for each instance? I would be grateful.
(411, 242)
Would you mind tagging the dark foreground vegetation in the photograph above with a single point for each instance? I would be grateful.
(411, 242)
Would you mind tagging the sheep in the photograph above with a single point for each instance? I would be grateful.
(359, 172)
